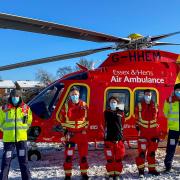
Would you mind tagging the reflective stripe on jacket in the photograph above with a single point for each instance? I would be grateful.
(171, 111)
(74, 116)
(146, 115)
(14, 122)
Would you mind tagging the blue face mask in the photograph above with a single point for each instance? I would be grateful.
(15, 100)
(147, 98)
(113, 106)
(75, 98)
(177, 93)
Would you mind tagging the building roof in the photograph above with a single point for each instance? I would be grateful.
(30, 84)
(7, 84)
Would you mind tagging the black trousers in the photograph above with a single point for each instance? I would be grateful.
(21, 148)
(173, 137)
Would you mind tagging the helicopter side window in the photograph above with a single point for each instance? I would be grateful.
(44, 104)
(139, 96)
(124, 98)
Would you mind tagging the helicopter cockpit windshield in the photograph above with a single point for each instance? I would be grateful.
(44, 104)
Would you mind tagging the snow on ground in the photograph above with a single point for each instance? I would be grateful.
(50, 166)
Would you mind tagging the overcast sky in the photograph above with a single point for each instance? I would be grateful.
(116, 17)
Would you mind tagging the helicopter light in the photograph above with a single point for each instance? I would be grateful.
(135, 36)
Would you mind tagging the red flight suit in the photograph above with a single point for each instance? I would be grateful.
(114, 147)
(146, 116)
(74, 119)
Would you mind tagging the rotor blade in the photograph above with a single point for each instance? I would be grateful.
(155, 38)
(8, 21)
(163, 43)
(53, 58)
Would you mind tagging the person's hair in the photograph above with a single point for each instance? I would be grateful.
(147, 90)
(177, 86)
(16, 92)
(74, 88)
(115, 98)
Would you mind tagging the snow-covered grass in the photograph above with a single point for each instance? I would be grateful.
(50, 167)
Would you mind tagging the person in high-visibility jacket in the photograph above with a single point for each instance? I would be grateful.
(146, 113)
(114, 147)
(73, 117)
(15, 119)
(172, 113)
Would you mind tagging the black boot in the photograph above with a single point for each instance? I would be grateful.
(141, 173)
(154, 172)
(168, 170)
(85, 177)
(67, 178)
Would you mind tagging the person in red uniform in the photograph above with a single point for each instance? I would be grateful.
(74, 121)
(146, 113)
(114, 148)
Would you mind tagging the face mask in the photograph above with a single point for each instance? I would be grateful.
(15, 100)
(147, 98)
(113, 106)
(177, 93)
(75, 98)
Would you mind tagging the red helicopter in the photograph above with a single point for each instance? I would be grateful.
(124, 74)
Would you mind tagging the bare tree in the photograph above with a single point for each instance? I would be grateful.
(62, 71)
(44, 76)
(89, 64)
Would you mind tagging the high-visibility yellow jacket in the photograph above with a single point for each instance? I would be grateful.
(14, 122)
(171, 111)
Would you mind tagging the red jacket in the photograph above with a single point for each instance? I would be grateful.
(74, 116)
(146, 118)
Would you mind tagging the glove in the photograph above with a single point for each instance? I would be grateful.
(63, 140)
(162, 135)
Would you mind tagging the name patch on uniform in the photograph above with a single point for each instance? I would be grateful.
(109, 153)
(172, 142)
(22, 152)
(143, 146)
(70, 152)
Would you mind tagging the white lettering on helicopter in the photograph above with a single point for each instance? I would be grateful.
(132, 76)
(127, 126)
(116, 73)
(133, 72)
(116, 79)
(144, 80)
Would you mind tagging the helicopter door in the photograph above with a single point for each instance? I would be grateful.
(44, 104)
(124, 98)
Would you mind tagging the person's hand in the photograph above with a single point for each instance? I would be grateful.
(84, 132)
